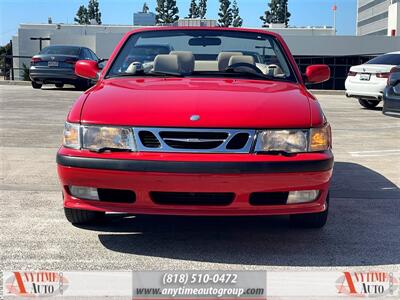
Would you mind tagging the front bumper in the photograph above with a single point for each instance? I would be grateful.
(240, 174)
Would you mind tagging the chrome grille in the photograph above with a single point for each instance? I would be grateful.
(194, 140)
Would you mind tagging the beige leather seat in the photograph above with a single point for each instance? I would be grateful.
(224, 57)
(185, 60)
(166, 63)
(237, 59)
(275, 71)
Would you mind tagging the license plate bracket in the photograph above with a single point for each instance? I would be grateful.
(365, 76)
(52, 64)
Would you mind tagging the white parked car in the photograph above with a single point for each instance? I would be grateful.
(366, 82)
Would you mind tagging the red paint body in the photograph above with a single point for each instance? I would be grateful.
(222, 103)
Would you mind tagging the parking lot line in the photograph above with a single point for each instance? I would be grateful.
(374, 153)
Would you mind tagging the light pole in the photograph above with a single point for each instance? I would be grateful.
(334, 8)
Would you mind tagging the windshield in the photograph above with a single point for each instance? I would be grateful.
(202, 53)
(387, 59)
(62, 50)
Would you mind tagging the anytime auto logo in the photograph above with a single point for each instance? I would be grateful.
(36, 284)
(367, 284)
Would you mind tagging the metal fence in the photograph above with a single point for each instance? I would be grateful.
(8, 68)
(339, 65)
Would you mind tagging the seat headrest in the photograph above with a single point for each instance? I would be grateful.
(224, 57)
(241, 59)
(166, 63)
(275, 70)
(185, 60)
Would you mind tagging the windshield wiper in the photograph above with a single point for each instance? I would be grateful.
(159, 73)
(152, 73)
(248, 73)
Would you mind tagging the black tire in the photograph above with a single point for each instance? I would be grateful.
(78, 216)
(36, 85)
(368, 103)
(317, 220)
(59, 85)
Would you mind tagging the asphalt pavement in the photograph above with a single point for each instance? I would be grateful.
(363, 230)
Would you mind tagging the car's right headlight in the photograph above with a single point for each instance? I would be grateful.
(98, 138)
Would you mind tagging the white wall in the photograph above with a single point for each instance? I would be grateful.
(394, 19)
(342, 45)
(59, 38)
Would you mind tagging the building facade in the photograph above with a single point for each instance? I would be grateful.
(144, 19)
(378, 17)
(309, 45)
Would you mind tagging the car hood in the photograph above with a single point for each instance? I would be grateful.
(371, 68)
(170, 102)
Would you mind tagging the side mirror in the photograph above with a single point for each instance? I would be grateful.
(317, 74)
(394, 78)
(87, 69)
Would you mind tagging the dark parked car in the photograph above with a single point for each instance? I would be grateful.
(391, 95)
(56, 65)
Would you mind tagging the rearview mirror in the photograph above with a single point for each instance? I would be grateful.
(87, 69)
(394, 78)
(317, 74)
(204, 41)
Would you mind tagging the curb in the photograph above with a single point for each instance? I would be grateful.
(328, 92)
(15, 82)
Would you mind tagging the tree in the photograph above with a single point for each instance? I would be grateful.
(82, 15)
(193, 10)
(225, 13)
(5, 63)
(237, 20)
(167, 12)
(94, 11)
(277, 13)
(202, 8)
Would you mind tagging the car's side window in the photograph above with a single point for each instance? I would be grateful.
(94, 56)
(85, 54)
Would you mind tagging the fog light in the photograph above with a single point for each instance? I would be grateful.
(84, 192)
(302, 196)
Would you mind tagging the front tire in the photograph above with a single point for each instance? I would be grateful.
(315, 220)
(78, 216)
(36, 85)
(368, 103)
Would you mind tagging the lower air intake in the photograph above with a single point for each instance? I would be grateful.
(203, 199)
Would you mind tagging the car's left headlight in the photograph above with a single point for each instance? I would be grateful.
(294, 140)
(98, 138)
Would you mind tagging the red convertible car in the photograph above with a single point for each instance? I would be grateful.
(222, 125)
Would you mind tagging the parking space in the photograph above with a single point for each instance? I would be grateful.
(363, 229)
